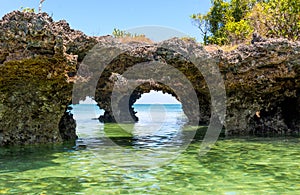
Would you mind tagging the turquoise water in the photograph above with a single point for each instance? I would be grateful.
(151, 157)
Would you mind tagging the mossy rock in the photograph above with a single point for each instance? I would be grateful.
(34, 97)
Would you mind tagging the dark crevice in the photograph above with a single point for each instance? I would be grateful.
(67, 126)
(268, 123)
(291, 113)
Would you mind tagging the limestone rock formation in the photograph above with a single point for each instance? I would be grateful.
(261, 80)
(38, 58)
(43, 62)
(262, 84)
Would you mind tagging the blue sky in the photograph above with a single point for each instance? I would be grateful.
(154, 97)
(100, 17)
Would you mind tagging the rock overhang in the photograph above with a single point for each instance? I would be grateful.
(261, 80)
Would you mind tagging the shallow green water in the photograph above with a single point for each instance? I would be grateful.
(231, 167)
(109, 160)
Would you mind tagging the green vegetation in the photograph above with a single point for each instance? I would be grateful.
(234, 21)
(32, 10)
(280, 18)
(117, 33)
(27, 9)
(188, 38)
(125, 36)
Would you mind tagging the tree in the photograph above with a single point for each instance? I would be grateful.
(202, 23)
(224, 21)
(238, 32)
(212, 24)
(234, 21)
(280, 18)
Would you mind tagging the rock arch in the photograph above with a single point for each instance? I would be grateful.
(41, 60)
(165, 64)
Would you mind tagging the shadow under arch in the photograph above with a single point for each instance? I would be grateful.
(124, 104)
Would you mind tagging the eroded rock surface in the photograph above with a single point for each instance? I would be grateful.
(262, 84)
(40, 60)
(261, 81)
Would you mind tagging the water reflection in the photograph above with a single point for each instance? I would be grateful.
(24, 158)
(151, 142)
